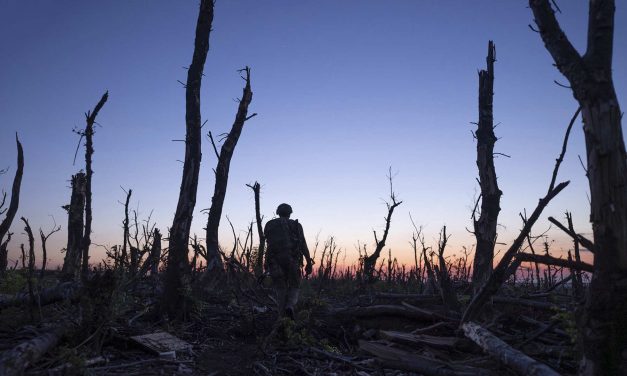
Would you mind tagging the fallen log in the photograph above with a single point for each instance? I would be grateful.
(422, 298)
(424, 339)
(393, 358)
(448, 316)
(389, 310)
(549, 260)
(15, 361)
(69, 367)
(547, 306)
(433, 327)
(62, 291)
(504, 353)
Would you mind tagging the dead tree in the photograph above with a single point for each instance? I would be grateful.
(604, 332)
(13, 205)
(258, 218)
(370, 261)
(485, 226)
(577, 280)
(44, 256)
(124, 254)
(76, 223)
(152, 262)
(88, 133)
(178, 270)
(214, 261)
(449, 297)
(155, 253)
(505, 266)
(4, 253)
(31, 262)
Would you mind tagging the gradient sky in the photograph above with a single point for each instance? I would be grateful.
(343, 89)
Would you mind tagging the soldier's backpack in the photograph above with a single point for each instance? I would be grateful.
(284, 236)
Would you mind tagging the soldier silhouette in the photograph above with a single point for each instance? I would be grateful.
(284, 258)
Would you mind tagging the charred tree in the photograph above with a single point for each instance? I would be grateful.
(31, 263)
(262, 238)
(88, 133)
(178, 270)
(13, 205)
(508, 265)
(604, 332)
(4, 253)
(152, 262)
(370, 261)
(577, 280)
(44, 251)
(76, 211)
(213, 258)
(485, 226)
(155, 253)
(124, 254)
(449, 296)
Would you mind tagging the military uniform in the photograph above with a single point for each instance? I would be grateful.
(284, 259)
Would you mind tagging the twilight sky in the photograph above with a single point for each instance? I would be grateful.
(343, 89)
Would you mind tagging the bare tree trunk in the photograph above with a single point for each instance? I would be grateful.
(178, 270)
(505, 266)
(44, 256)
(126, 231)
(262, 239)
(152, 261)
(4, 254)
(577, 281)
(485, 226)
(31, 263)
(89, 151)
(503, 270)
(214, 260)
(13, 205)
(370, 261)
(155, 253)
(76, 210)
(449, 297)
(604, 331)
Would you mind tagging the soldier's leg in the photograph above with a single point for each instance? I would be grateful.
(293, 286)
(279, 282)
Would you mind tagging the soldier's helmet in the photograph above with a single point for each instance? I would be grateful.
(284, 210)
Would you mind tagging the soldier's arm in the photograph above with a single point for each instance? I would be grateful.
(265, 229)
(265, 256)
(303, 243)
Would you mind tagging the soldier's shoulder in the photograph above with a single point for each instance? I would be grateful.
(295, 223)
(272, 222)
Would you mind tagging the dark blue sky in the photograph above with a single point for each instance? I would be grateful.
(343, 89)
